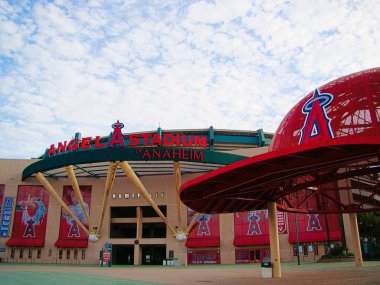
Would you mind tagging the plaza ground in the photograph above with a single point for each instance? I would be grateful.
(306, 273)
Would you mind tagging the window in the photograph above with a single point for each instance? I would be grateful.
(68, 254)
(154, 230)
(123, 230)
(30, 253)
(13, 253)
(21, 253)
(123, 212)
(149, 212)
(50, 252)
(60, 253)
(326, 249)
(39, 253)
(295, 250)
(305, 250)
(315, 249)
(75, 253)
(83, 254)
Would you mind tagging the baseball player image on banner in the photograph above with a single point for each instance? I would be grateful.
(205, 231)
(30, 219)
(70, 233)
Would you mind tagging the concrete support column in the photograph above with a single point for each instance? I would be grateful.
(274, 241)
(137, 255)
(138, 223)
(356, 240)
(137, 248)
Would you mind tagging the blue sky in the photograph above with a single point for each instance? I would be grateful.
(69, 66)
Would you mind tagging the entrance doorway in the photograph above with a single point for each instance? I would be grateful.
(153, 254)
(251, 255)
(122, 254)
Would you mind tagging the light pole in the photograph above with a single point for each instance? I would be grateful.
(297, 241)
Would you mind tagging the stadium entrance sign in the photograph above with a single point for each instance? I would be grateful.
(144, 144)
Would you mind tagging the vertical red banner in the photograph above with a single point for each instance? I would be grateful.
(282, 224)
(30, 219)
(70, 233)
(205, 231)
(251, 228)
(312, 227)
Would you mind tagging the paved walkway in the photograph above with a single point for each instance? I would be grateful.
(306, 273)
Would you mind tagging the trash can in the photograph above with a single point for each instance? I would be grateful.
(177, 262)
(266, 268)
(164, 262)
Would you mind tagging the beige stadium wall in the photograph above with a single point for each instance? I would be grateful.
(10, 175)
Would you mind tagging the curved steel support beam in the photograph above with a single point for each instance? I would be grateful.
(177, 180)
(107, 188)
(75, 185)
(52, 191)
(192, 223)
(132, 175)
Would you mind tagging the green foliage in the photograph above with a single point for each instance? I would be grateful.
(369, 226)
(336, 251)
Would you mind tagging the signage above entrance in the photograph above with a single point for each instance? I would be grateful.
(149, 153)
(117, 139)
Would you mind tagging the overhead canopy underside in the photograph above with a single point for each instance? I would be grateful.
(317, 177)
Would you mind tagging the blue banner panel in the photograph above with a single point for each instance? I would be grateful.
(6, 217)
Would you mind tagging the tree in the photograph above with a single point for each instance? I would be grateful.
(369, 228)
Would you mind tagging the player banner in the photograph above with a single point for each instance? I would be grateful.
(70, 233)
(5, 212)
(205, 231)
(312, 227)
(6, 215)
(30, 219)
(251, 228)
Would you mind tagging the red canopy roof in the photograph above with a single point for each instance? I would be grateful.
(323, 158)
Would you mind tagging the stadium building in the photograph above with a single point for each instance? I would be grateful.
(201, 196)
(129, 185)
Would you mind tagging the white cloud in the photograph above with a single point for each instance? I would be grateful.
(218, 11)
(68, 67)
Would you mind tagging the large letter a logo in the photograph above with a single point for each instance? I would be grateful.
(313, 223)
(317, 123)
(203, 228)
(254, 226)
